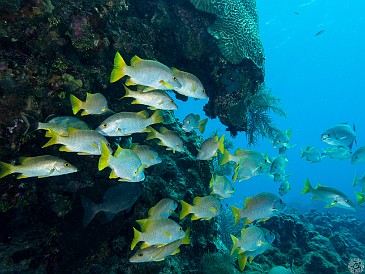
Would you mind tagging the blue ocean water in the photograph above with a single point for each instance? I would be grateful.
(321, 81)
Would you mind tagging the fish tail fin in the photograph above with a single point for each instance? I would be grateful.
(235, 243)
(90, 210)
(105, 156)
(151, 134)
(355, 181)
(157, 117)
(53, 141)
(5, 169)
(202, 125)
(186, 209)
(221, 144)
(186, 239)
(360, 197)
(119, 68)
(307, 187)
(76, 103)
(237, 214)
(128, 92)
(242, 260)
(226, 157)
(136, 239)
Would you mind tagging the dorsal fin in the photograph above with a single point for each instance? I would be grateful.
(135, 60)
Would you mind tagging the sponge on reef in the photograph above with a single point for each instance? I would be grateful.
(236, 29)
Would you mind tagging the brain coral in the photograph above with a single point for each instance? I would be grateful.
(236, 29)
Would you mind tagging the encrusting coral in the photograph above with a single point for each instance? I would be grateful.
(236, 29)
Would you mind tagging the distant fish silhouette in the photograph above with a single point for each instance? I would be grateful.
(297, 13)
(320, 32)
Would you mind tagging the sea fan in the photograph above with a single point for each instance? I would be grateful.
(259, 123)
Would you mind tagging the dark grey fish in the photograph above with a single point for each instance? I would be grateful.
(320, 32)
(116, 199)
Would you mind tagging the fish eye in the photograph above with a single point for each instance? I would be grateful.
(104, 125)
(66, 164)
(203, 90)
(174, 78)
(347, 201)
(180, 228)
(281, 201)
(140, 254)
(119, 129)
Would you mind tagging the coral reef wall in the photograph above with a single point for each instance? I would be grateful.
(51, 48)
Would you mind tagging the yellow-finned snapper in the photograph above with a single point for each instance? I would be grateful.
(278, 165)
(269, 237)
(284, 188)
(154, 99)
(331, 196)
(191, 122)
(241, 155)
(251, 238)
(210, 148)
(339, 135)
(339, 153)
(39, 166)
(190, 85)
(358, 157)
(280, 176)
(282, 139)
(157, 232)
(360, 197)
(84, 142)
(249, 168)
(168, 138)
(359, 182)
(148, 156)
(94, 104)
(259, 208)
(116, 198)
(152, 74)
(61, 124)
(125, 164)
(127, 123)
(156, 254)
(163, 209)
(221, 187)
(203, 208)
(312, 154)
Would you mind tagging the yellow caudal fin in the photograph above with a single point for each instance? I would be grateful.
(221, 144)
(53, 141)
(360, 198)
(307, 187)
(237, 214)
(119, 68)
(186, 209)
(202, 125)
(157, 117)
(151, 134)
(76, 103)
(226, 157)
(242, 260)
(186, 239)
(128, 92)
(5, 169)
(105, 156)
(136, 239)
(235, 243)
